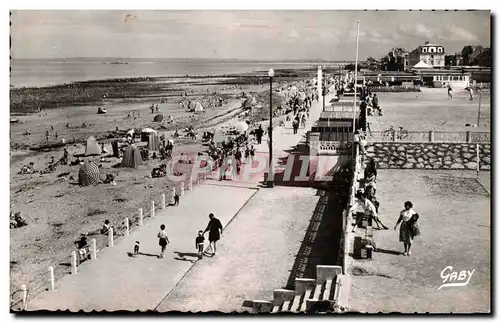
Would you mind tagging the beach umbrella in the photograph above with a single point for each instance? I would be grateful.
(158, 118)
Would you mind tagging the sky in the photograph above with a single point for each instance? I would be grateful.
(260, 35)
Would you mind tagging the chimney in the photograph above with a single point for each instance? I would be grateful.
(427, 42)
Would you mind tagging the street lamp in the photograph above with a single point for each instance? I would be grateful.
(270, 179)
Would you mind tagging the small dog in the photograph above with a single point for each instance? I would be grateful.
(176, 199)
(136, 249)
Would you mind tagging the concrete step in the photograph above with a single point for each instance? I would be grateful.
(260, 306)
(317, 291)
(282, 299)
(328, 290)
(295, 307)
(307, 295)
(286, 306)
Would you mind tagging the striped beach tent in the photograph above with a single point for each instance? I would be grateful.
(154, 142)
(88, 175)
(131, 157)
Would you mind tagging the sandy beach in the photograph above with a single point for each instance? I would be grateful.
(57, 210)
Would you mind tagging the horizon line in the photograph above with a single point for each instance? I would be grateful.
(180, 58)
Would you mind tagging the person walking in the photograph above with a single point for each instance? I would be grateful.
(295, 125)
(450, 92)
(406, 230)
(259, 132)
(214, 229)
(163, 241)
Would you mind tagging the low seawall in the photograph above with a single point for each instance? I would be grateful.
(429, 155)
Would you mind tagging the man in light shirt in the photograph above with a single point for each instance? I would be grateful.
(366, 207)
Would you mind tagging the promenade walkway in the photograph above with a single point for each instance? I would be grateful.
(267, 239)
(116, 281)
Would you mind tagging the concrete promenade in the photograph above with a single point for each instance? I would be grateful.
(116, 281)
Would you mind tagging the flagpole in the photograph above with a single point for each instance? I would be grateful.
(355, 83)
(355, 91)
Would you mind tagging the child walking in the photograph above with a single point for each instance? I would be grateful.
(199, 242)
(163, 241)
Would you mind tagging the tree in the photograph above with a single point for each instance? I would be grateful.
(466, 52)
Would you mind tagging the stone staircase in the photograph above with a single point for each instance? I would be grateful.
(327, 293)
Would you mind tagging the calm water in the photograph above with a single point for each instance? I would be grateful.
(52, 72)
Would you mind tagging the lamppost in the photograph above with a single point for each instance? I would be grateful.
(270, 176)
(323, 91)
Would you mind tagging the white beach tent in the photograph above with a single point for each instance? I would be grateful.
(198, 107)
(241, 127)
(422, 64)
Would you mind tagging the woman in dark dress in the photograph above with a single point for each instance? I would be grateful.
(213, 227)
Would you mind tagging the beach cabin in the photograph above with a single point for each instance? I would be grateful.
(439, 78)
(332, 134)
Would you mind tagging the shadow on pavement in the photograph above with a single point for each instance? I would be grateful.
(390, 252)
(322, 239)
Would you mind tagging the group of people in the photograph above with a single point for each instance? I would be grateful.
(468, 88)
(214, 229)
(367, 206)
(369, 101)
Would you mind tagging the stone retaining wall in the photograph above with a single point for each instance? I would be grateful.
(429, 155)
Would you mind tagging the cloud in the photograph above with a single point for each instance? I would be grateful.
(458, 33)
(423, 31)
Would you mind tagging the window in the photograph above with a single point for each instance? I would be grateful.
(424, 50)
(432, 50)
(440, 49)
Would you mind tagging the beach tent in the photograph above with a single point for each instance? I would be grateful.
(249, 103)
(422, 64)
(101, 111)
(191, 106)
(158, 118)
(241, 127)
(92, 147)
(88, 174)
(145, 133)
(131, 157)
(154, 142)
(198, 107)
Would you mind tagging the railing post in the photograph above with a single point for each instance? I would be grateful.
(431, 136)
(51, 278)
(393, 134)
(181, 188)
(467, 136)
(153, 209)
(93, 251)
(163, 201)
(190, 185)
(24, 290)
(173, 195)
(110, 238)
(73, 263)
(141, 216)
(198, 179)
(127, 227)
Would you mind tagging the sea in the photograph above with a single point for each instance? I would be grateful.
(47, 72)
